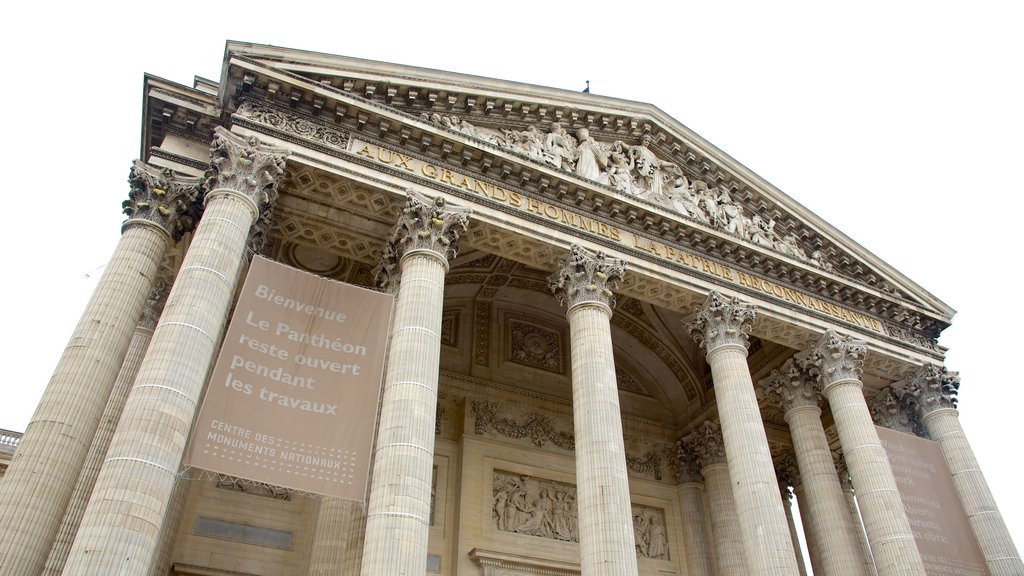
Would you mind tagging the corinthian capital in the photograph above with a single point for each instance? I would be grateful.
(425, 224)
(707, 443)
(587, 276)
(835, 358)
(789, 387)
(155, 304)
(162, 197)
(934, 387)
(686, 465)
(720, 322)
(787, 472)
(246, 166)
(894, 409)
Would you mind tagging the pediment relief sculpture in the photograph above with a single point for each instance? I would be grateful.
(635, 170)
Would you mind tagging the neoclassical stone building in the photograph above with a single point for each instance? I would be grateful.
(614, 349)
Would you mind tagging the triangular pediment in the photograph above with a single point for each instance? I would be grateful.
(634, 163)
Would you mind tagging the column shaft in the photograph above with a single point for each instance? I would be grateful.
(892, 542)
(823, 508)
(97, 451)
(807, 519)
(758, 506)
(607, 544)
(120, 530)
(725, 522)
(398, 517)
(695, 536)
(788, 505)
(161, 564)
(42, 475)
(990, 530)
(862, 537)
(333, 539)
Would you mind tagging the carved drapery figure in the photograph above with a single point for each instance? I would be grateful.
(637, 171)
(547, 509)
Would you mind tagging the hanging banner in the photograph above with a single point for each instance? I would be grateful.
(292, 400)
(941, 529)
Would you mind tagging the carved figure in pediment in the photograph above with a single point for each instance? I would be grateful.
(682, 199)
(762, 232)
(559, 147)
(790, 246)
(531, 141)
(649, 170)
(619, 168)
(591, 158)
(731, 217)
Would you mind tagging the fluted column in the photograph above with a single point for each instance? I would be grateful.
(851, 504)
(721, 328)
(108, 423)
(935, 390)
(121, 527)
(584, 286)
(837, 361)
(695, 536)
(824, 507)
(333, 537)
(788, 474)
(44, 471)
(707, 443)
(398, 516)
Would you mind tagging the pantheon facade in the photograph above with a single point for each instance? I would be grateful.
(614, 349)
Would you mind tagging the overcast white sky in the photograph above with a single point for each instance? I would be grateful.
(899, 122)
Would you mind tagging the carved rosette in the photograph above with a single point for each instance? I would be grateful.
(154, 304)
(425, 224)
(587, 276)
(707, 443)
(790, 387)
(686, 465)
(163, 197)
(894, 409)
(721, 321)
(933, 387)
(835, 358)
(788, 473)
(245, 165)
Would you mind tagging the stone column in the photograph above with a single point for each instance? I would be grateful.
(788, 474)
(787, 503)
(935, 390)
(851, 504)
(837, 362)
(695, 536)
(43, 473)
(108, 423)
(398, 516)
(333, 537)
(721, 327)
(824, 508)
(121, 527)
(707, 443)
(584, 286)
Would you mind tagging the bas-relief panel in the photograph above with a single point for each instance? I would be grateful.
(547, 509)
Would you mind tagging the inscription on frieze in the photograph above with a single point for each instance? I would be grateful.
(589, 224)
(534, 506)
